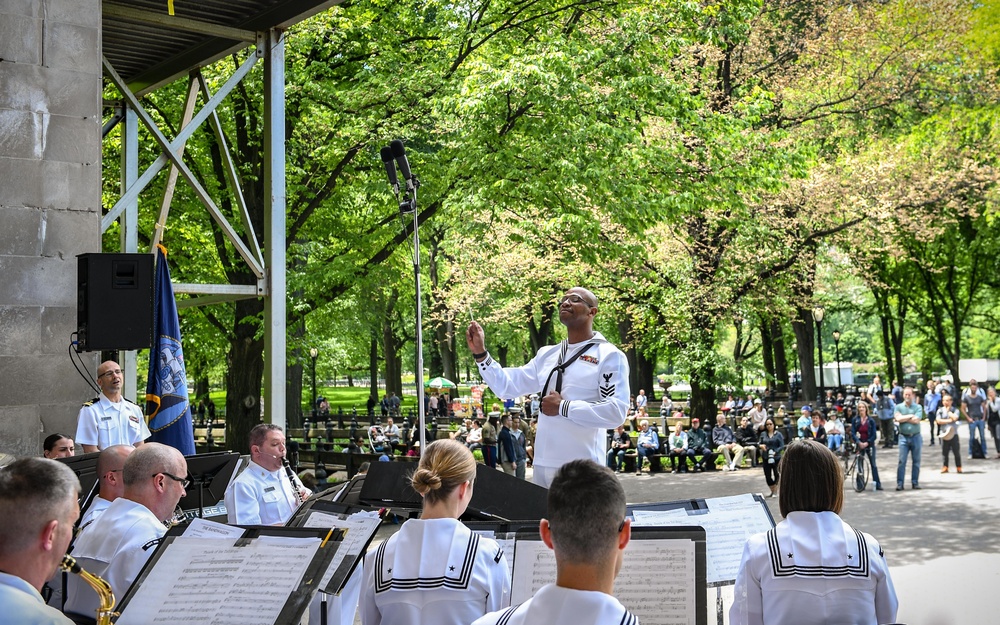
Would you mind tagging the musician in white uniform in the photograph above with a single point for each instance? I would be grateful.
(812, 567)
(38, 506)
(111, 485)
(583, 382)
(434, 570)
(116, 546)
(263, 493)
(587, 530)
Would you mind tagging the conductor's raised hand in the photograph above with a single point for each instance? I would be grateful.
(475, 338)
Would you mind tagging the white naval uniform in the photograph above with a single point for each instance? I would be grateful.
(115, 547)
(260, 497)
(554, 605)
(813, 568)
(105, 423)
(94, 511)
(434, 571)
(595, 395)
(22, 604)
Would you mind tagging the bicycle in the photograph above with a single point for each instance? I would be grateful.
(855, 468)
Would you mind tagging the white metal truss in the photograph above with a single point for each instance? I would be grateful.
(268, 265)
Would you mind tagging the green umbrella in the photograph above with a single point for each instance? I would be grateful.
(441, 383)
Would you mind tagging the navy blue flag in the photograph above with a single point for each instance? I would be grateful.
(167, 408)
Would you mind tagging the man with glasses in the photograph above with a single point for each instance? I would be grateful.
(262, 494)
(583, 383)
(116, 546)
(585, 526)
(109, 419)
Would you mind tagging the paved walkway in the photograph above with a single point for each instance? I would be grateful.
(940, 542)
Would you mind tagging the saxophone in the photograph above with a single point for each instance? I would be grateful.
(101, 587)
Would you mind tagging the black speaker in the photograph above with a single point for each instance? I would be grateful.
(114, 307)
(495, 496)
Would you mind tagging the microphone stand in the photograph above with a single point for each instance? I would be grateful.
(409, 204)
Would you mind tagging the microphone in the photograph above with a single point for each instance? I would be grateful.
(399, 152)
(390, 168)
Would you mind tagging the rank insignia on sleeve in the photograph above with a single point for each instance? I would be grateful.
(607, 389)
(591, 359)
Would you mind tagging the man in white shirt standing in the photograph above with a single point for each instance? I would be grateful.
(585, 526)
(109, 419)
(263, 493)
(583, 383)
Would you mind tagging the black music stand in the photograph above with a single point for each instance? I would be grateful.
(85, 468)
(210, 472)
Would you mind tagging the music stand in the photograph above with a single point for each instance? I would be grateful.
(85, 468)
(210, 472)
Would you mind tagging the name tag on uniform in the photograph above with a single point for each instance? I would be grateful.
(269, 489)
(105, 418)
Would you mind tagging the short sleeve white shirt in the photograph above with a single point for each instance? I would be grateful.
(105, 423)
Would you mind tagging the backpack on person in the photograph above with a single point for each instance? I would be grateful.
(977, 449)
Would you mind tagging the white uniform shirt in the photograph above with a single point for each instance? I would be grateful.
(115, 547)
(260, 497)
(554, 605)
(813, 568)
(595, 399)
(434, 571)
(94, 511)
(23, 605)
(105, 423)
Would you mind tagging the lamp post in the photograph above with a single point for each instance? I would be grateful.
(313, 353)
(836, 349)
(818, 316)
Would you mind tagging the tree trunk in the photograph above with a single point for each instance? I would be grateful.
(502, 351)
(780, 360)
(244, 375)
(767, 354)
(540, 333)
(803, 327)
(373, 367)
(293, 375)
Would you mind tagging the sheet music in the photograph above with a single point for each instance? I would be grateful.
(200, 528)
(213, 582)
(506, 542)
(657, 581)
(359, 527)
(728, 523)
(664, 599)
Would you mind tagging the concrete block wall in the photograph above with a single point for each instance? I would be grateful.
(50, 207)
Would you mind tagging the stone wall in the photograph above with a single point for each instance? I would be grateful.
(50, 207)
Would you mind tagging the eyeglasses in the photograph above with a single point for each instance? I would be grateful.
(184, 482)
(575, 299)
(111, 372)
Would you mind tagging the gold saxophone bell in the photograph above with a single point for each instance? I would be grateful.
(101, 587)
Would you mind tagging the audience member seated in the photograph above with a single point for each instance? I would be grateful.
(677, 446)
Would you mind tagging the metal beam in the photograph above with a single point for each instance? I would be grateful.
(218, 289)
(208, 300)
(130, 230)
(182, 137)
(274, 228)
(177, 23)
(231, 175)
(168, 148)
(168, 190)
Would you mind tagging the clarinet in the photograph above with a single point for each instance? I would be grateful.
(292, 479)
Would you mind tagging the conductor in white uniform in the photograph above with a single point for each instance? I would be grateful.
(583, 382)
(263, 494)
(587, 530)
(812, 567)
